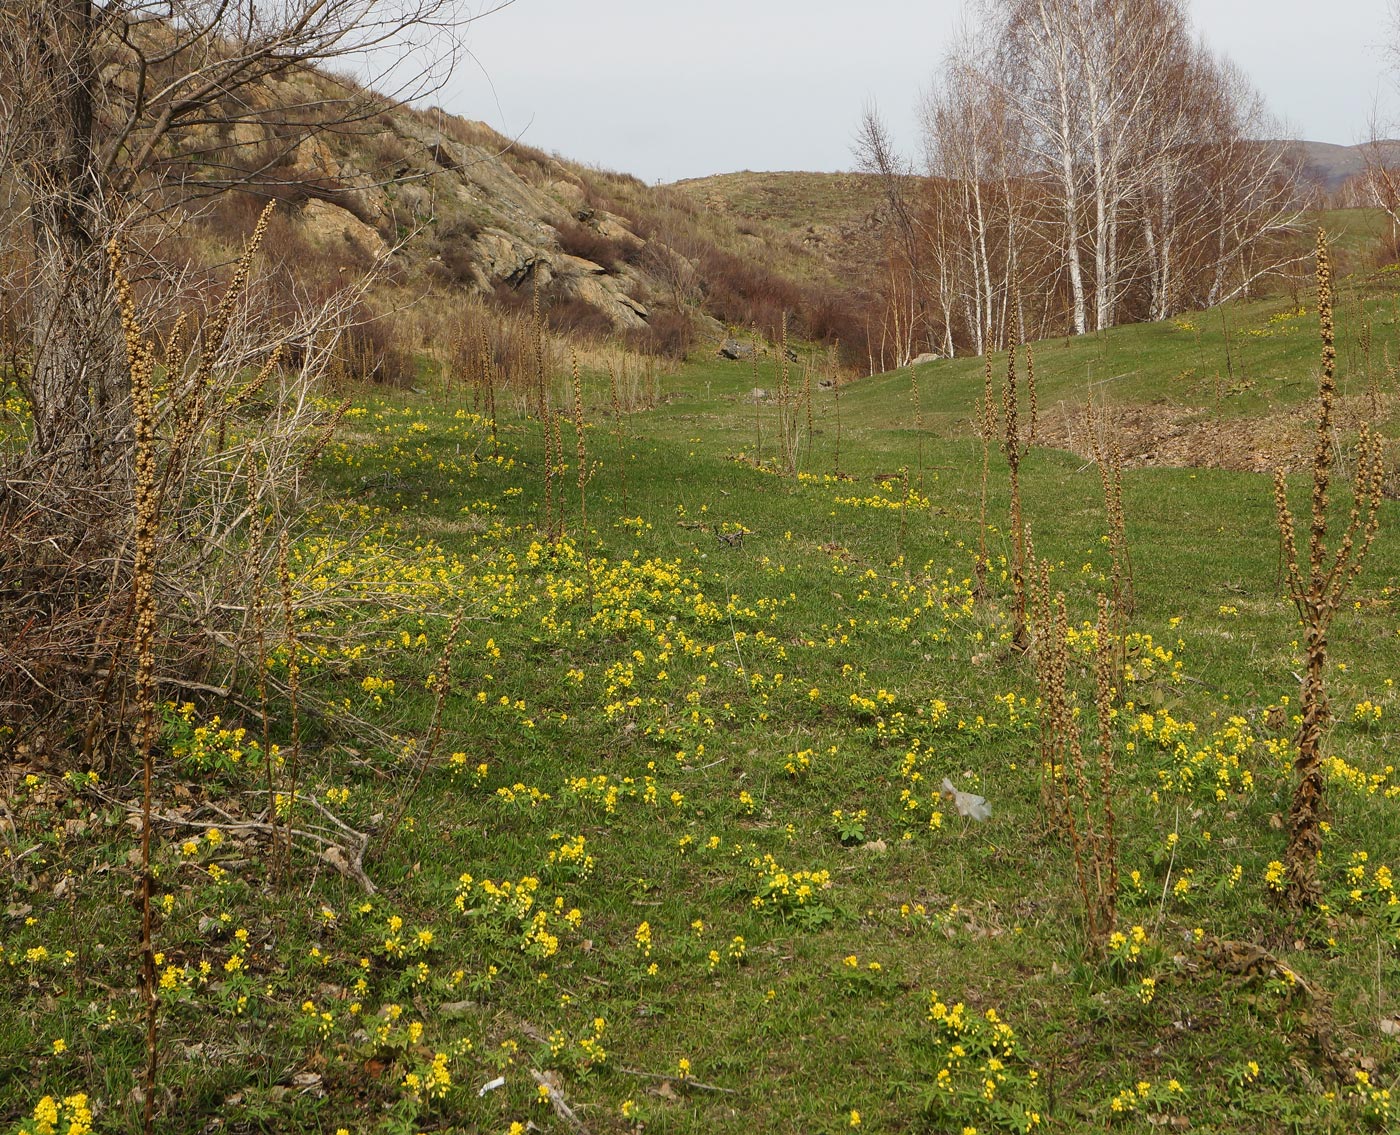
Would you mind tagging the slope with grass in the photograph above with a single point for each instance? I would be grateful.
(446, 214)
(837, 216)
(677, 859)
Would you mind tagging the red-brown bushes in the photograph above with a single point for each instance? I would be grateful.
(589, 244)
(569, 315)
(368, 350)
(453, 248)
(508, 336)
(669, 334)
(744, 293)
(831, 316)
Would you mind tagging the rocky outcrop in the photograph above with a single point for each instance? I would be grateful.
(491, 217)
(330, 225)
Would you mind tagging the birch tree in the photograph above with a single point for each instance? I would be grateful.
(1105, 162)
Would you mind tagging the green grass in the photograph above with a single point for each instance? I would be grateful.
(630, 673)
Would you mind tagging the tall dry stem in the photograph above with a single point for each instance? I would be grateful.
(986, 433)
(1316, 591)
(1051, 670)
(1014, 448)
(442, 684)
(1077, 802)
(140, 360)
(488, 384)
(787, 418)
(1031, 394)
(554, 425)
(615, 399)
(807, 399)
(1108, 455)
(836, 412)
(580, 450)
(258, 610)
(918, 421)
(289, 620)
(546, 422)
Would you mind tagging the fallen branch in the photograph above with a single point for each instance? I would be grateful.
(557, 1101)
(687, 1082)
(346, 853)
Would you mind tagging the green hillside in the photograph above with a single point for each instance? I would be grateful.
(657, 842)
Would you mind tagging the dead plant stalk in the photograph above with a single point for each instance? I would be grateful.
(1318, 594)
(141, 365)
(1015, 449)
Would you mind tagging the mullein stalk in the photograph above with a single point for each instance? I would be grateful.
(836, 410)
(442, 684)
(1031, 394)
(784, 398)
(986, 430)
(757, 411)
(140, 359)
(580, 449)
(918, 421)
(1015, 450)
(258, 604)
(615, 400)
(807, 398)
(488, 382)
(1106, 850)
(1317, 595)
(284, 579)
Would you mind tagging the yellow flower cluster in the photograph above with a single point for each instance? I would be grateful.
(67, 1116)
(776, 888)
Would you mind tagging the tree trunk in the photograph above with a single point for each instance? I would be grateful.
(77, 384)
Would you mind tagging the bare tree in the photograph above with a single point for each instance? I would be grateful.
(112, 111)
(1097, 157)
(902, 285)
(1037, 48)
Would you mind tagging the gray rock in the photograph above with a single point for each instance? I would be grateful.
(735, 349)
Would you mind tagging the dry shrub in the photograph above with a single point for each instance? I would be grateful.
(453, 247)
(509, 335)
(588, 243)
(464, 131)
(742, 292)
(232, 428)
(369, 350)
(669, 334)
(564, 315)
(831, 316)
(567, 315)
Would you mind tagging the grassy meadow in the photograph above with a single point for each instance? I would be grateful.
(657, 841)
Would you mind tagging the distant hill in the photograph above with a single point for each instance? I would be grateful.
(1329, 166)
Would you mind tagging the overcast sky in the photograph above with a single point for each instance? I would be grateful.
(668, 89)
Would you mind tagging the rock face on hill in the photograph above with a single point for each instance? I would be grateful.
(455, 199)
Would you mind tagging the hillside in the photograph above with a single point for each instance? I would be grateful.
(1329, 166)
(834, 215)
(644, 770)
(451, 211)
(735, 746)
(446, 209)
